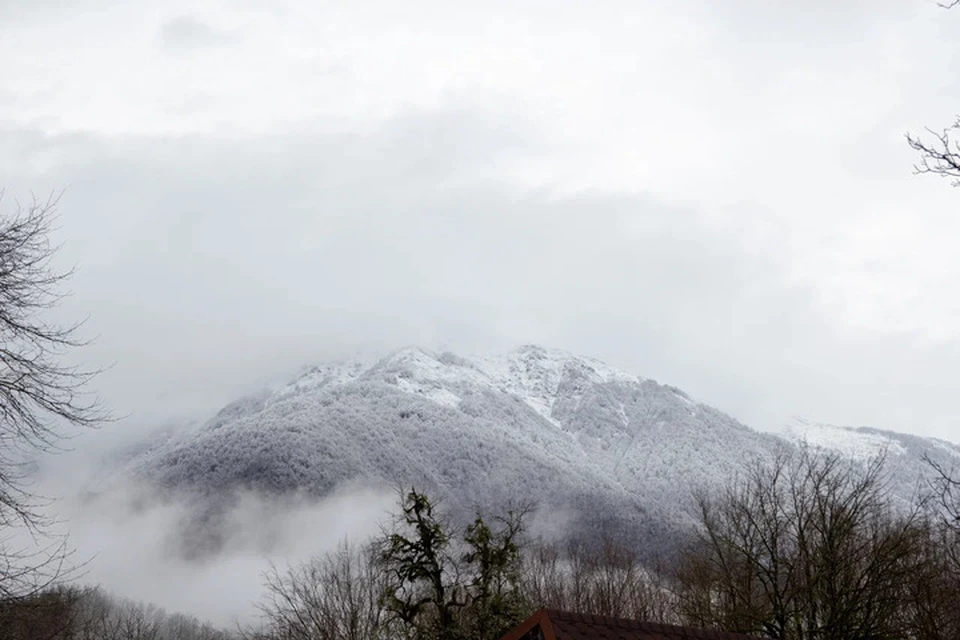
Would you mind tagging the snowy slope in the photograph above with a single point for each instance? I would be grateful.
(861, 443)
(904, 453)
(538, 426)
(544, 427)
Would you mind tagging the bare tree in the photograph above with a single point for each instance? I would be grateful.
(930, 598)
(334, 597)
(605, 580)
(944, 554)
(945, 488)
(49, 615)
(39, 394)
(804, 548)
(418, 580)
(89, 613)
(940, 154)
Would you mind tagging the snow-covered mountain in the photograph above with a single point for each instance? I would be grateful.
(568, 434)
(867, 442)
(904, 454)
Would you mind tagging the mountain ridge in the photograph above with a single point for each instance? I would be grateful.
(620, 452)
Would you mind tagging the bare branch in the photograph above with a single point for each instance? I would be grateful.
(946, 491)
(941, 155)
(39, 393)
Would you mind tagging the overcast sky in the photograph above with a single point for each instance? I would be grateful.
(716, 195)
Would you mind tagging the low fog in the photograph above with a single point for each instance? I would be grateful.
(145, 545)
(132, 541)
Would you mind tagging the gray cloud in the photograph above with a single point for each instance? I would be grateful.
(187, 32)
(211, 266)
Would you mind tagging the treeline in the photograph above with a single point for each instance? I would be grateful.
(89, 613)
(802, 547)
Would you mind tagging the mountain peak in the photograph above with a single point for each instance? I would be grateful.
(566, 432)
(531, 372)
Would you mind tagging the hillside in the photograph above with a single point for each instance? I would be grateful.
(596, 447)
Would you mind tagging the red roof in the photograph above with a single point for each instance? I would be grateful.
(563, 625)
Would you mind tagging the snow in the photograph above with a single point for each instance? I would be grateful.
(533, 374)
(531, 424)
(951, 450)
(847, 441)
(330, 374)
(436, 394)
(530, 373)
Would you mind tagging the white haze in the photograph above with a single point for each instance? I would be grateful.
(128, 541)
(715, 195)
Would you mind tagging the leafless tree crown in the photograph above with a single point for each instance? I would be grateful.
(39, 393)
(940, 155)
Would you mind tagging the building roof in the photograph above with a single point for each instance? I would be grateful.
(551, 624)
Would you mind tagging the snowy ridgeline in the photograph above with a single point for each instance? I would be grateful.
(534, 426)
